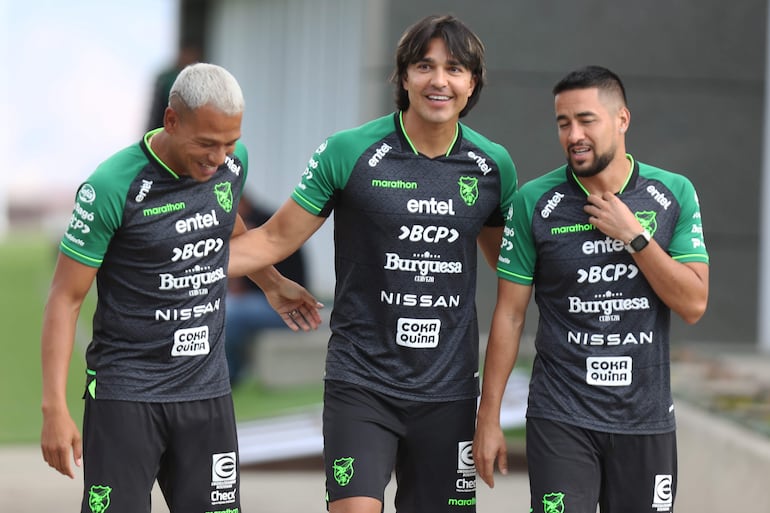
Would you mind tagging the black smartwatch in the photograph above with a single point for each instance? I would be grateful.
(638, 243)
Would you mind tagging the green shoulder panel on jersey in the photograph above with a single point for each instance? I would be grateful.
(517, 255)
(330, 166)
(99, 206)
(501, 156)
(687, 244)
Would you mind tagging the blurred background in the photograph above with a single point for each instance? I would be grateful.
(79, 78)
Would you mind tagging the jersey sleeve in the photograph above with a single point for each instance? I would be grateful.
(517, 258)
(96, 216)
(688, 243)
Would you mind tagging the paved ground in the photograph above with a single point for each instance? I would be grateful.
(28, 485)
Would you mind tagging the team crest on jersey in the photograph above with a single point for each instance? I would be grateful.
(99, 498)
(224, 194)
(469, 189)
(648, 219)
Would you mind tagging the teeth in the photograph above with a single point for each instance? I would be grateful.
(432, 97)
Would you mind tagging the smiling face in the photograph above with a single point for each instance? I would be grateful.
(200, 139)
(592, 126)
(438, 86)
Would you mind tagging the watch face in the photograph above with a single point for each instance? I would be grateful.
(639, 243)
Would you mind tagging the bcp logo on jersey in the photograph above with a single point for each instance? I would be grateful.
(191, 341)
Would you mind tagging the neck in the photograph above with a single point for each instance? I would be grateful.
(430, 139)
(612, 179)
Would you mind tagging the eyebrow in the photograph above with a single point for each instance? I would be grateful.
(584, 114)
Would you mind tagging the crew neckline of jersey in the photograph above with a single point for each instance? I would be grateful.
(147, 137)
(408, 140)
(629, 157)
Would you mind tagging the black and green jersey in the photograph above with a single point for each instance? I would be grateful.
(405, 229)
(602, 340)
(160, 242)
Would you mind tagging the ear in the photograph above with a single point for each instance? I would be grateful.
(625, 119)
(170, 120)
(474, 81)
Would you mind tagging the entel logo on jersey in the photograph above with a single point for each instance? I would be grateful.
(379, 154)
(197, 222)
(551, 205)
(232, 166)
(418, 333)
(431, 206)
(144, 190)
(481, 162)
(191, 341)
(659, 197)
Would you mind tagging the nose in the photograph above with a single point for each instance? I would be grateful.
(575, 133)
(217, 155)
(439, 77)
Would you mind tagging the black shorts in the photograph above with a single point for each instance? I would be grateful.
(572, 469)
(368, 434)
(191, 448)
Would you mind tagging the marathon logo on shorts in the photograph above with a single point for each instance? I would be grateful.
(609, 371)
(191, 342)
(418, 333)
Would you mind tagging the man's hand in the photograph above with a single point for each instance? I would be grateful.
(296, 306)
(59, 437)
(612, 217)
(489, 447)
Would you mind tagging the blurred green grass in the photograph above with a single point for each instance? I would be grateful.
(26, 267)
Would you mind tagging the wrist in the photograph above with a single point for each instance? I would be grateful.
(638, 243)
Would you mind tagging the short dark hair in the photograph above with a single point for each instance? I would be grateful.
(461, 42)
(592, 76)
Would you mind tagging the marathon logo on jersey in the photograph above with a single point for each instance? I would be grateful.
(191, 341)
(466, 467)
(200, 249)
(379, 154)
(663, 493)
(197, 222)
(430, 206)
(430, 234)
(481, 162)
(609, 371)
(418, 333)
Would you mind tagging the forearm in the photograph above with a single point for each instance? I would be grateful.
(502, 351)
(57, 340)
(682, 287)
